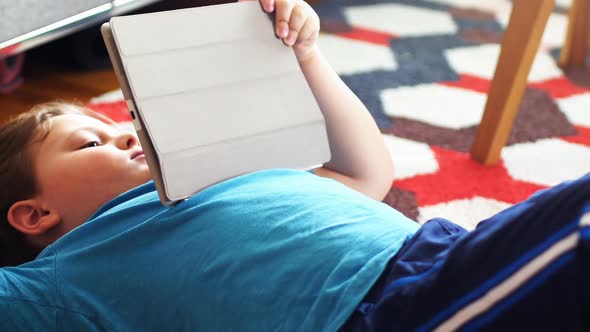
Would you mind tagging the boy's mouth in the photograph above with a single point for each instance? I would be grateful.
(137, 154)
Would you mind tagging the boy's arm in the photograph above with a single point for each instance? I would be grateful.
(360, 158)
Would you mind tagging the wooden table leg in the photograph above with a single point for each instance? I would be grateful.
(575, 49)
(519, 47)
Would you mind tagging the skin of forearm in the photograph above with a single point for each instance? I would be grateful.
(360, 158)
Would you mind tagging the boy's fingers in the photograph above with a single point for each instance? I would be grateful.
(291, 38)
(296, 21)
(298, 17)
(309, 30)
(268, 5)
(282, 14)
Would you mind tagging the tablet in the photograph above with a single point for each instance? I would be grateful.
(213, 94)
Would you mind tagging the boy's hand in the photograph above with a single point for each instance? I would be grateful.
(296, 24)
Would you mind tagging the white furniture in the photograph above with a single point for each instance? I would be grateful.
(28, 23)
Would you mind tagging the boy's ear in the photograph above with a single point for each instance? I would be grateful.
(29, 217)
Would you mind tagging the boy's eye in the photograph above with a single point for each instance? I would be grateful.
(90, 144)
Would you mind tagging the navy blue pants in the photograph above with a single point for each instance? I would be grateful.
(525, 269)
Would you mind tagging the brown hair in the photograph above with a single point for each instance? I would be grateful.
(17, 176)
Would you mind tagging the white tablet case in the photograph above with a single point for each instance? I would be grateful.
(214, 94)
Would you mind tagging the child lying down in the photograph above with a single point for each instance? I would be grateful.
(86, 244)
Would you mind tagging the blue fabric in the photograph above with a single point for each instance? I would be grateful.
(277, 250)
(524, 269)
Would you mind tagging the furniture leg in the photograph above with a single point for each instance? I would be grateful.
(575, 48)
(519, 47)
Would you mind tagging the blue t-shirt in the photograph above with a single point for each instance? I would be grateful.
(276, 250)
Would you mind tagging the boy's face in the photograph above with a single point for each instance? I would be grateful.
(83, 163)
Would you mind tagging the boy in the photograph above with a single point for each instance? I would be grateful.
(272, 250)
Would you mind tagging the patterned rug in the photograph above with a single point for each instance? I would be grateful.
(423, 68)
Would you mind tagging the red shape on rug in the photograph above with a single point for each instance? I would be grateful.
(583, 136)
(560, 87)
(116, 110)
(459, 177)
(369, 36)
(469, 82)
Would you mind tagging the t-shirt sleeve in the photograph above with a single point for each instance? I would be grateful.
(25, 299)
(19, 315)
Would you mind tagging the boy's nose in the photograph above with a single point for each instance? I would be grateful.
(127, 141)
